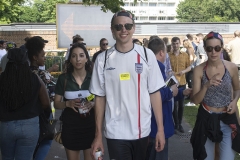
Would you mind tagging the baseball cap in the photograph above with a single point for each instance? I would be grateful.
(124, 13)
(10, 45)
(45, 41)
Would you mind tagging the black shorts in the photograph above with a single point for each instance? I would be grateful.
(127, 149)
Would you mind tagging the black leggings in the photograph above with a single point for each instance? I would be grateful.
(127, 149)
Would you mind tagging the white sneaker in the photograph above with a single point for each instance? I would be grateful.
(190, 104)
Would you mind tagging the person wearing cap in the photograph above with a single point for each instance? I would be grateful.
(126, 82)
(216, 89)
(103, 47)
(23, 97)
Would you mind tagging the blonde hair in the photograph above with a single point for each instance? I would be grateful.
(187, 44)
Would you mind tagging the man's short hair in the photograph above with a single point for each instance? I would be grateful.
(153, 37)
(175, 39)
(165, 40)
(190, 37)
(124, 13)
(101, 40)
(237, 33)
(156, 45)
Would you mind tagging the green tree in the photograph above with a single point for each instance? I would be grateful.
(9, 10)
(208, 11)
(45, 10)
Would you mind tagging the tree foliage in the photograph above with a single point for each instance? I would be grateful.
(45, 10)
(208, 11)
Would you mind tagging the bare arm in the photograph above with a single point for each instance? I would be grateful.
(73, 103)
(100, 103)
(236, 89)
(156, 102)
(44, 99)
(198, 92)
(58, 103)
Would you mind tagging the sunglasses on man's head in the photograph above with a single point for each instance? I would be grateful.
(119, 27)
(216, 48)
(105, 44)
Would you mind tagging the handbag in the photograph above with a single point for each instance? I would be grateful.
(47, 128)
(58, 135)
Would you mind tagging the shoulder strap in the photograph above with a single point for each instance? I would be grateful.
(105, 59)
(145, 53)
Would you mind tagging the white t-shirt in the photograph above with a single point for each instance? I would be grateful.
(124, 88)
(234, 50)
(2, 53)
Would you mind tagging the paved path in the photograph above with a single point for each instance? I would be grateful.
(179, 147)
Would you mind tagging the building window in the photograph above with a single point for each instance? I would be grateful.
(153, 18)
(142, 11)
(171, 4)
(170, 18)
(152, 4)
(143, 18)
(132, 4)
(126, 4)
(161, 11)
(161, 18)
(161, 4)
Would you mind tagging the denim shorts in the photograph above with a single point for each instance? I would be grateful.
(19, 138)
(225, 146)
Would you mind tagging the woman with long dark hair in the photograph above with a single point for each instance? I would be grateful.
(20, 92)
(36, 56)
(216, 89)
(78, 129)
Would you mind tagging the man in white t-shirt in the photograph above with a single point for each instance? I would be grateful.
(126, 82)
(233, 48)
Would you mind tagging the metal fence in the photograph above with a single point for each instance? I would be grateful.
(50, 60)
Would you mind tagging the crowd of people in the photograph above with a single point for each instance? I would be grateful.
(137, 90)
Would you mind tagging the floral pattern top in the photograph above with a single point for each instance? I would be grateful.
(47, 79)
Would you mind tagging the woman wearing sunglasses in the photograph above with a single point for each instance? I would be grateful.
(216, 89)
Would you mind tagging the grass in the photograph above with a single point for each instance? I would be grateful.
(190, 113)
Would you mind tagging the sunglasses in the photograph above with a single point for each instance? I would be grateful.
(119, 27)
(105, 44)
(216, 48)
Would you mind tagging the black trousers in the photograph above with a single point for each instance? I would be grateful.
(127, 149)
(178, 109)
